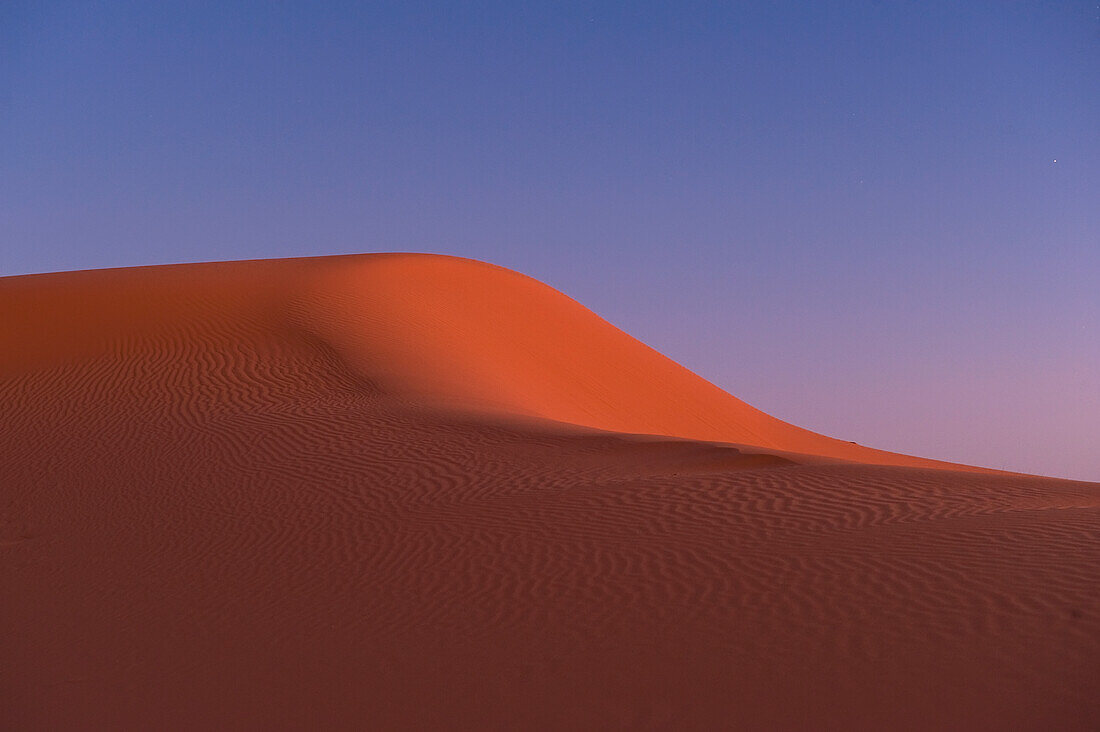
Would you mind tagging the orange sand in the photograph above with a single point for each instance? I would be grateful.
(394, 491)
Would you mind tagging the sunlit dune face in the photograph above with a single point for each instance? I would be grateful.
(471, 335)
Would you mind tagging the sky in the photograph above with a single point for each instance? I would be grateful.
(877, 220)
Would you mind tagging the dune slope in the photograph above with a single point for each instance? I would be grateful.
(402, 491)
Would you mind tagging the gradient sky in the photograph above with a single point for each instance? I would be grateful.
(878, 220)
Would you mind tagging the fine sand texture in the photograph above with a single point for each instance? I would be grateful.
(421, 492)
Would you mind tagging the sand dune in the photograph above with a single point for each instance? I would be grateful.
(396, 491)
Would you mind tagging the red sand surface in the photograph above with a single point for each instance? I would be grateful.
(394, 491)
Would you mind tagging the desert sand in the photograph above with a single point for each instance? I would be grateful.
(412, 491)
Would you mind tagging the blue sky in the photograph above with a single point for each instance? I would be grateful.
(877, 220)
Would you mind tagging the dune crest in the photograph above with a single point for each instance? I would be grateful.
(437, 331)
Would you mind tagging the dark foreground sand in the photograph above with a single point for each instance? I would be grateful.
(411, 491)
